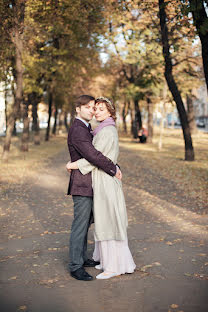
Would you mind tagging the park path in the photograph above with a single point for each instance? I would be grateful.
(167, 238)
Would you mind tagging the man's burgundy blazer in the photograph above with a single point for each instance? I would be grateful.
(80, 146)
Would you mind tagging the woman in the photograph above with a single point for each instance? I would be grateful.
(111, 244)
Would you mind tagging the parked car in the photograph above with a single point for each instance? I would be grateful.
(200, 124)
(177, 123)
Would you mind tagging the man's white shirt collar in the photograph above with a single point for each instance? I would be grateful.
(86, 123)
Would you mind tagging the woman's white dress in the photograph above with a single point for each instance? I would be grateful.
(111, 243)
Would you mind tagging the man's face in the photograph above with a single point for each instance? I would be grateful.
(86, 112)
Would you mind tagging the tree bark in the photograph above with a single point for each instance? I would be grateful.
(124, 114)
(34, 99)
(137, 124)
(18, 116)
(50, 101)
(150, 120)
(5, 102)
(132, 118)
(191, 114)
(14, 132)
(25, 134)
(65, 121)
(18, 43)
(200, 21)
(61, 121)
(55, 120)
(138, 114)
(72, 114)
(162, 122)
(189, 151)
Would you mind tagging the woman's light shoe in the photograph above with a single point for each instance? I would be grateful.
(98, 267)
(106, 275)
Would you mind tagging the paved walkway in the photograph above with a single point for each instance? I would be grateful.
(168, 241)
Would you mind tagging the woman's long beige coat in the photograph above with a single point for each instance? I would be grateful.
(109, 203)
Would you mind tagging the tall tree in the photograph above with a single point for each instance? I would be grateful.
(200, 18)
(189, 151)
(67, 37)
(137, 48)
(14, 26)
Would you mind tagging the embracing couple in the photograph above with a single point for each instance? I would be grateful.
(96, 189)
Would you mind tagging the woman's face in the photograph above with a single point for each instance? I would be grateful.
(101, 112)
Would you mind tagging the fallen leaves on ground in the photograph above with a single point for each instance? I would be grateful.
(22, 308)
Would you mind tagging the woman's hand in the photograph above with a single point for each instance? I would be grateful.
(68, 168)
(118, 174)
(71, 166)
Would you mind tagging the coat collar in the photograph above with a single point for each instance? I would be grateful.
(79, 123)
(85, 122)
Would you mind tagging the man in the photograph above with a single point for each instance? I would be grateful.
(80, 186)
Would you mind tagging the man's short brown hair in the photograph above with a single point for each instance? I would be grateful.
(83, 100)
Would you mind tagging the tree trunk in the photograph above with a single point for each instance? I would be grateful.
(61, 121)
(6, 103)
(65, 121)
(137, 124)
(132, 118)
(200, 21)
(14, 132)
(50, 100)
(163, 117)
(18, 42)
(55, 120)
(34, 100)
(150, 120)
(138, 114)
(72, 114)
(25, 134)
(191, 115)
(189, 151)
(124, 114)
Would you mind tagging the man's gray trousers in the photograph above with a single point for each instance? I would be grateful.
(79, 231)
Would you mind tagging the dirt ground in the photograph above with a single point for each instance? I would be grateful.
(168, 234)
